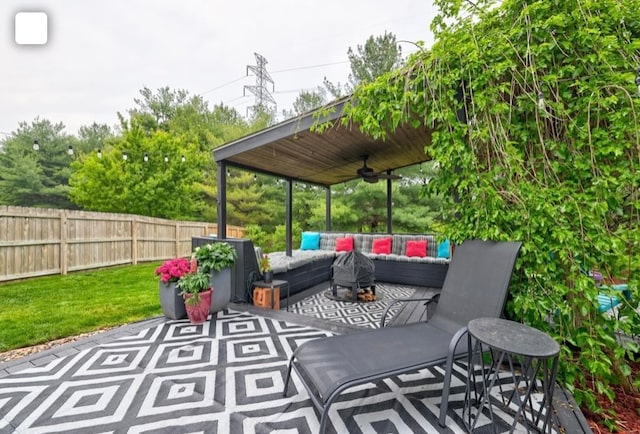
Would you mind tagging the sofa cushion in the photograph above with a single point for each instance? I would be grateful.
(416, 248)
(328, 240)
(404, 258)
(444, 249)
(281, 263)
(381, 246)
(362, 243)
(310, 241)
(400, 243)
(344, 244)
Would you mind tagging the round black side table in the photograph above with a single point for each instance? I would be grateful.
(529, 354)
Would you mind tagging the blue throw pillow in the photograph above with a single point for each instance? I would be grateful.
(444, 249)
(310, 241)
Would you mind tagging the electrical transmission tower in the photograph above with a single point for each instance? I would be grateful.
(264, 99)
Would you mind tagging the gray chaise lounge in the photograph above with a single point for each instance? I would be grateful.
(476, 286)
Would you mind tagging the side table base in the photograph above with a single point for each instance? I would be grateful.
(528, 359)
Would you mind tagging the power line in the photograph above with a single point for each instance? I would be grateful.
(224, 85)
(308, 89)
(235, 99)
(298, 68)
(309, 67)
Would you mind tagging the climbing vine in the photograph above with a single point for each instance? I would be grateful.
(533, 108)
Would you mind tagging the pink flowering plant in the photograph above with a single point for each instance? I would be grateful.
(173, 269)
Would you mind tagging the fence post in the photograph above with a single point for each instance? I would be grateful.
(63, 242)
(177, 255)
(134, 240)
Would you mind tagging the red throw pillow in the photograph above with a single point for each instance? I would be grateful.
(344, 244)
(382, 246)
(417, 248)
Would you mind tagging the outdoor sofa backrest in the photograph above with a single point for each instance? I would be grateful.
(363, 242)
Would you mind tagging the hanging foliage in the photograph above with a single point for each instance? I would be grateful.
(533, 107)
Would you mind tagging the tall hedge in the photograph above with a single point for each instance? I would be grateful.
(534, 111)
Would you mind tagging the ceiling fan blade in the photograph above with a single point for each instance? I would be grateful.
(371, 176)
(366, 171)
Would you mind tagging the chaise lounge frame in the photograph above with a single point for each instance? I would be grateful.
(475, 286)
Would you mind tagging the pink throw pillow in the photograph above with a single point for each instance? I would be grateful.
(344, 244)
(382, 246)
(417, 248)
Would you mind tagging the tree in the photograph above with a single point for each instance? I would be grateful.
(168, 125)
(307, 101)
(93, 137)
(38, 178)
(261, 118)
(154, 187)
(245, 200)
(378, 56)
(158, 109)
(336, 90)
(227, 124)
(533, 109)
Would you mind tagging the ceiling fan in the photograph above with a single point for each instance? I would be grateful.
(371, 176)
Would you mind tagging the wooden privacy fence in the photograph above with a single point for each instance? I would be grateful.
(38, 242)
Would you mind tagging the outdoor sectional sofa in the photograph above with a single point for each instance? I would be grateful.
(308, 267)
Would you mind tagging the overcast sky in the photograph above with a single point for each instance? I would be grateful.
(100, 53)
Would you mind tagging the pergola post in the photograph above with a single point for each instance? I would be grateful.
(327, 211)
(289, 216)
(222, 199)
(389, 205)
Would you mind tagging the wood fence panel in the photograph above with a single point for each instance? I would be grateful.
(97, 240)
(38, 242)
(156, 240)
(29, 242)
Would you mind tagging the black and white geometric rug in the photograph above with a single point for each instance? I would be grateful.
(347, 312)
(225, 376)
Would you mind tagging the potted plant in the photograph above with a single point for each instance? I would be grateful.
(265, 269)
(196, 290)
(216, 259)
(171, 301)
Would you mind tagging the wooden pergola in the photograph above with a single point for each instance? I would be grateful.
(291, 151)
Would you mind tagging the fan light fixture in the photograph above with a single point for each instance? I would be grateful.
(371, 176)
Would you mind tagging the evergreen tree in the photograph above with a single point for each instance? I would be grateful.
(37, 177)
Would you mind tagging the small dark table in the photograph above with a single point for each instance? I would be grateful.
(273, 284)
(528, 353)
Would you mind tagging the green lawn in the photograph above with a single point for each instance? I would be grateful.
(42, 309)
